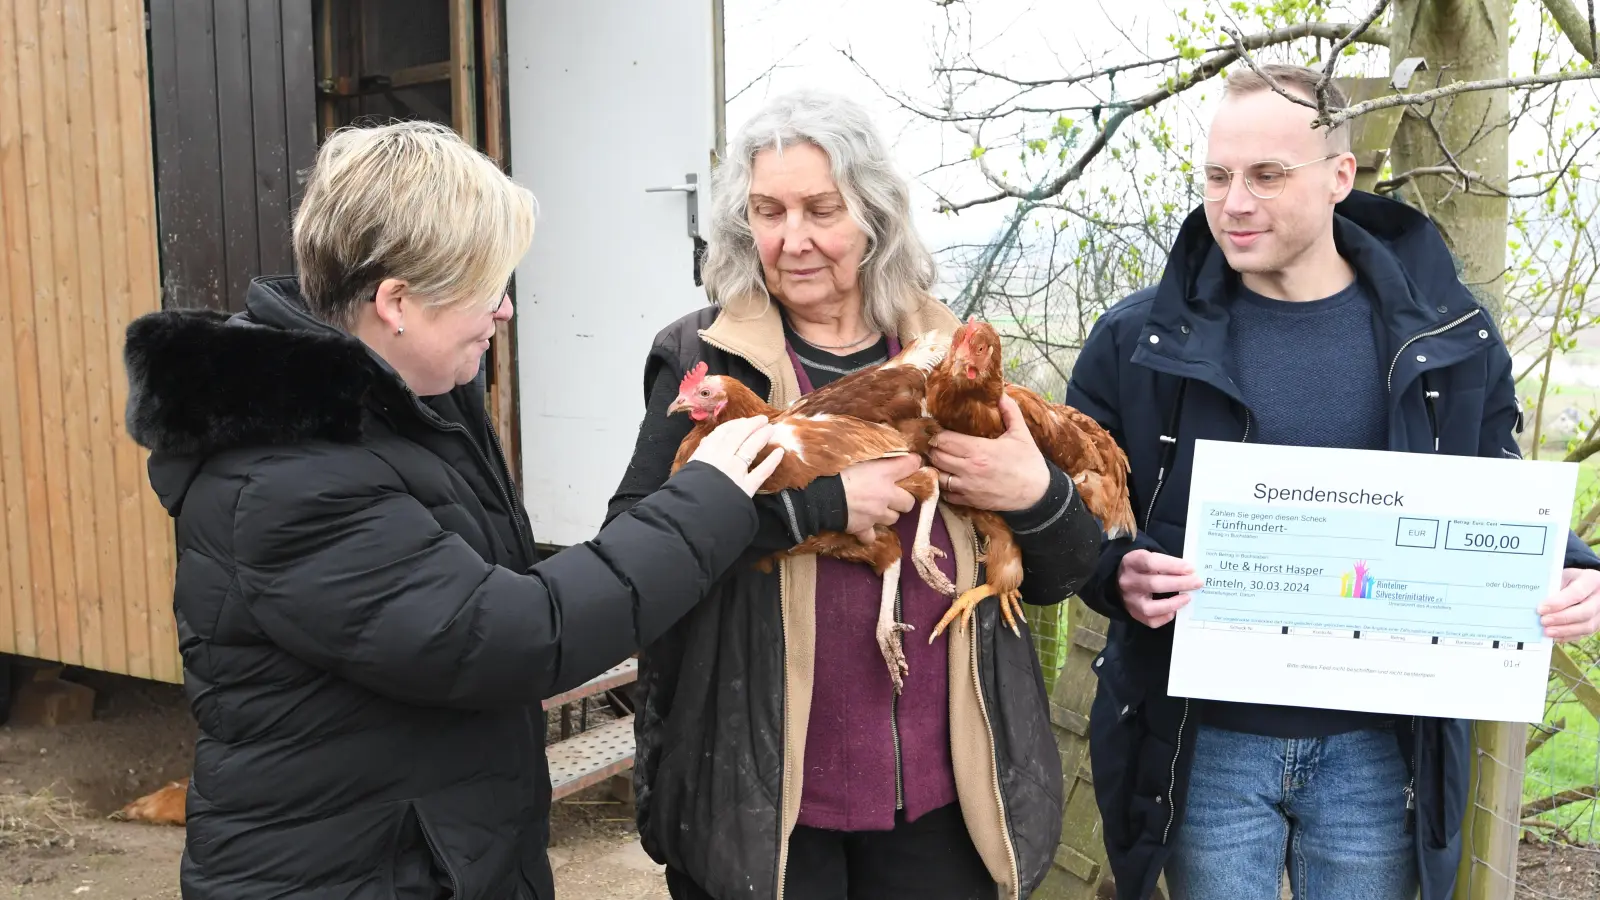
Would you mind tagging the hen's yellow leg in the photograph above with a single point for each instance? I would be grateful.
(1010, 608)
(962, 607)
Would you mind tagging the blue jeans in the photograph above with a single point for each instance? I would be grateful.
(1332, 810)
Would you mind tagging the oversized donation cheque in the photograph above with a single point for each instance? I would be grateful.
(1371, 580)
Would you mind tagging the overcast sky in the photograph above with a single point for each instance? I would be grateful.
(897, 42)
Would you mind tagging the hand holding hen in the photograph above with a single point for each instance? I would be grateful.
(1002, 474)
(965, 395)
(827, 432)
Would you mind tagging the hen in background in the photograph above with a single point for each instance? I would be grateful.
(167, 805)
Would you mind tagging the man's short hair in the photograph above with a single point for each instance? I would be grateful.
(1298, 80)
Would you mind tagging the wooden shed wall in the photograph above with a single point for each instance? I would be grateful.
(234, 97)
(86, 554)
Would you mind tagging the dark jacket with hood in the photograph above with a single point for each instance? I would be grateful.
(366, 631)
(724, 698)
(1157, 364)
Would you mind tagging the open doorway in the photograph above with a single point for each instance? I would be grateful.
(438, 60)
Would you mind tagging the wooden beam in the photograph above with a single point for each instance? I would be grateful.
(378, 82)
(463, 81)
(327, 115)
(502, 397)
(492, 29)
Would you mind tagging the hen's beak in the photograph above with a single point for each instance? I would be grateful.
(679, 405)
(961, 361)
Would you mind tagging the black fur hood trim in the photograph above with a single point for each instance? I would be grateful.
(201, 381)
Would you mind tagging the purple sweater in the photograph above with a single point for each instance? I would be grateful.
(850, 782)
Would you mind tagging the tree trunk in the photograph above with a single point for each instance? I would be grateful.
(1462, 40)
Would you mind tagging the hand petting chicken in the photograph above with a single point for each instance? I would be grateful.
(871, 414)
(965, 395)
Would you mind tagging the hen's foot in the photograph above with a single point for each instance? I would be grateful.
(894, 652)
(963, 608)
(924, 557)
(1010, 608)
(889, 630)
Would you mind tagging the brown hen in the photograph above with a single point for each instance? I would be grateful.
(871, 414)
(964, 396)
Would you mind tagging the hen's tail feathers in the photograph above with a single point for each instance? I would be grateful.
(925, 352)
(1107, 500)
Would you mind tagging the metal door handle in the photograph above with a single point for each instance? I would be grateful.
(690, 187)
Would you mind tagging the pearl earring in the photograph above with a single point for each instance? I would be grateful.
(400, 330)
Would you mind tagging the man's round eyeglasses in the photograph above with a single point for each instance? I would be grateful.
(1264, 179)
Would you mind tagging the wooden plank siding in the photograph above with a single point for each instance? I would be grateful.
(152, 153)
(86, 568)
(235, 126)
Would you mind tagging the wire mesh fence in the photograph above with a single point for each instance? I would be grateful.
(1534, 789)
(1532, 829)
(1051, 629)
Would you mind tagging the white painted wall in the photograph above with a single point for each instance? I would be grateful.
(607, 98)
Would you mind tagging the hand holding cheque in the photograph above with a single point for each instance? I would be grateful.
(1367, 580)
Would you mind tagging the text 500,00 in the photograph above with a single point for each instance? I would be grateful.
(1491, 541)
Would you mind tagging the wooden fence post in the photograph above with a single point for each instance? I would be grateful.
(1489, 832)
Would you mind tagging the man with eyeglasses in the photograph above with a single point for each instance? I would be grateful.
(1292, 311)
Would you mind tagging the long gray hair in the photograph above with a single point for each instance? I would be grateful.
(897, 270)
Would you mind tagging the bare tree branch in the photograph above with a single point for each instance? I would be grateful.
(1582, 452)
(1573, 24)
(1206, 69)
(1327, 31)
(1338, 48)
(1450, 90)
(777, 64)
(1565, 798)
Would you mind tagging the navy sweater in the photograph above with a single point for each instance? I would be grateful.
(1310, 375)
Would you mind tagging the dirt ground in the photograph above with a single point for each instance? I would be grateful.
(58, 785)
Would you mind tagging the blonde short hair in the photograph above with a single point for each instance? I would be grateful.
(1298, 80)
(897, 272)
(411, 201)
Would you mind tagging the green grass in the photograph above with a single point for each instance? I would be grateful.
(1567, 761)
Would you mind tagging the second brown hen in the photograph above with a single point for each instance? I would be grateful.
(964, 396)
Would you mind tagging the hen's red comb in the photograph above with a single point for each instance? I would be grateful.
(692, 378)
(964, 333)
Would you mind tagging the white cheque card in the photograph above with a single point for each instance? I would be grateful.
(1371, 580)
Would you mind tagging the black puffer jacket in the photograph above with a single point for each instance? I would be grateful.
(724, 696)
(366, 636)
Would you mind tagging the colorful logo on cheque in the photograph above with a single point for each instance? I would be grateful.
(1357, 582)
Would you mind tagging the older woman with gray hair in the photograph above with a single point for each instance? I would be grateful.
(774, 759)
(367, 629)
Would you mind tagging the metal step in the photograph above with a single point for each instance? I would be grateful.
(614, 677)
(590, 757)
